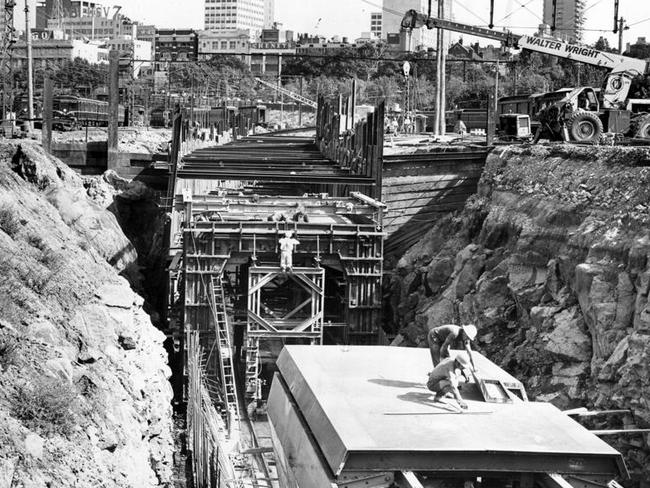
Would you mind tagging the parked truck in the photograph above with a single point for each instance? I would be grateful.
(578, 114)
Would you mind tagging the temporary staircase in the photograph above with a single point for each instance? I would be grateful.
(228, 385)
(289, 93)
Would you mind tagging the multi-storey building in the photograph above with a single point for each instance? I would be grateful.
(54, 52)
(90, 28)
(147, 33)
(47, 10)
(269, 13)
(569, 18)
(136, 52)
(375, 24)
(266, 57)
(224, 42)
(176, 45)
(419, 38)
(239, 14)
(276, 34)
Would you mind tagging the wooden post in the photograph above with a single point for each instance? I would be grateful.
(47, 115)
(173, 154)
(379, 157)
(113, 109)
(353, 102)
(300, 103)
(491, 122)
(443, 71)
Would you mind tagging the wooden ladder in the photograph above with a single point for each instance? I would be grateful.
(228, 385)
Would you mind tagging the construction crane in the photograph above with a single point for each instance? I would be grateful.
(579, 114)
(289, 93)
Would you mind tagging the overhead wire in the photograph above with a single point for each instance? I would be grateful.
(515, 10)
(525, 6)
(458, 4)
(639, 22)
(592, 5)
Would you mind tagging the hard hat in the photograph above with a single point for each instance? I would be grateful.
(463, 361)
(470, 331)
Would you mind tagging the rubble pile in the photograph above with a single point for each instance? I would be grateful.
(551, 261)
(288, 119)
(84, 392)
(132, 140)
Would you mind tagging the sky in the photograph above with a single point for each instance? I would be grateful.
(351, 17)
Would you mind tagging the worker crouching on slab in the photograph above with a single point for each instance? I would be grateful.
(442, 338)
(287, 246)
(444, 379)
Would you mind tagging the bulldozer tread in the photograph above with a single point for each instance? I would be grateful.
(580, 131)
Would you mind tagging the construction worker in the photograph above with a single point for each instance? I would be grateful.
(442, 338)
(287, 245)
(444, 379)
(301, 214)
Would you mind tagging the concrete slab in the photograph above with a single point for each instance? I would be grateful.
(368, 409)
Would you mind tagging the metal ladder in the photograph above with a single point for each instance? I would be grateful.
(252, 367)
(228, 385)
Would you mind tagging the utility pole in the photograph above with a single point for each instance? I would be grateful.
(621, 28)
(441, 75)
(30, 70)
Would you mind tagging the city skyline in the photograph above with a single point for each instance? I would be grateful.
(349, 18)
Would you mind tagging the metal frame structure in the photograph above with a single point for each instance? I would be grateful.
(311, 280)
(343, 235)
(8, 40)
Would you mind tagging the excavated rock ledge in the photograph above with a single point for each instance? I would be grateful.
(84, 392)
(551, 261)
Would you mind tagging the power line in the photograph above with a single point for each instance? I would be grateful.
(592, 5)
(470, 11)
(639, 22)
(515, 10)
(387, 10)
(526, 7)
(321, 56)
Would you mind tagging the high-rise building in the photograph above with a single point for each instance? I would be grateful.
(569, 18)
(269, 13)
(394, 11)
(375, 24)
(223, 15)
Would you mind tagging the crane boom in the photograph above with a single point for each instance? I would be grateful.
(289, 93)
(615, 62)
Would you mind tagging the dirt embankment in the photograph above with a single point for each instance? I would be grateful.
(84, 392)
(551, 261)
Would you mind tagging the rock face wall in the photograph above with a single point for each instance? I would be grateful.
(84, 392)
(550, 261)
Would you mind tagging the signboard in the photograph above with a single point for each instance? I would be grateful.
(583, 54)
(42, 35)
(75, 9)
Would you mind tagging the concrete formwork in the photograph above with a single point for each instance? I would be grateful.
(345, 413)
